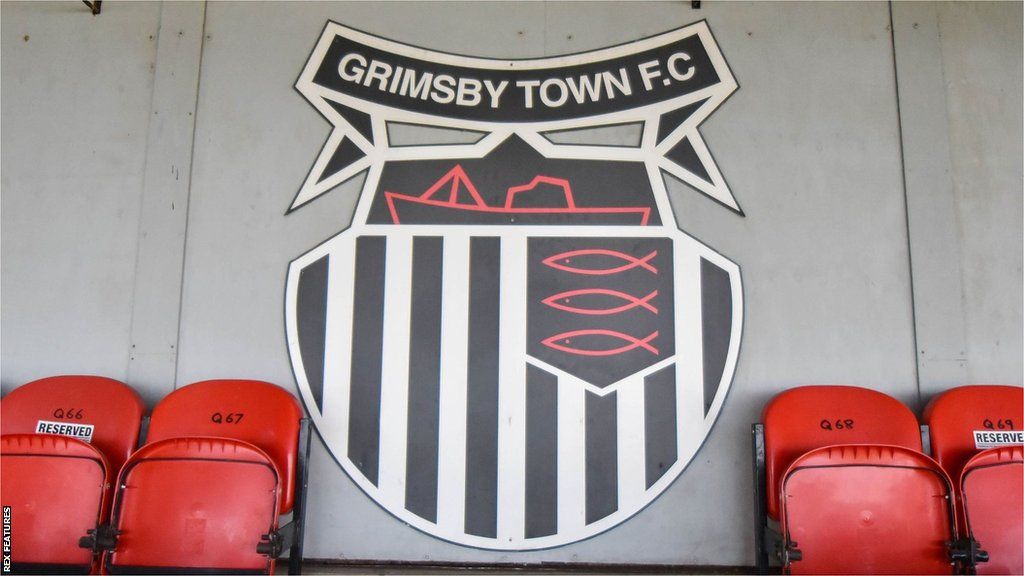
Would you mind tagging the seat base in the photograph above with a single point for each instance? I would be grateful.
(867, 510)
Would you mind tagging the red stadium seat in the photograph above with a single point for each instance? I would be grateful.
(801, 419)
(866, 509)
(800, 439)
(992, 489)
(259, 413)
(976, 434)
(55, 487)
(200, 503)
(65, 404)
(223, 459)
(63, 440)
(955, 415)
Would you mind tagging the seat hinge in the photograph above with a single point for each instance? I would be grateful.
(967, 552)
(102, 538)
(270, 544)
(274, 543)
(788, 553)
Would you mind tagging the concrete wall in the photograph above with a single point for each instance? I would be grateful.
(150, 152)
(76, 101)
(984, 102)
(960, 102)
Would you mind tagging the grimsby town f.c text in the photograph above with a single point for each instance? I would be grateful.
(549, 92)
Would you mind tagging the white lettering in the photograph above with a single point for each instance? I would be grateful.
(622, 83)
(469, 92)
(495, 92)
(412, 88)
(378, 71)
(528, 86)
(587, 88)
(395, 78)
(356, 73)
(674, 71)
(545, 93)
(646, 73)
(443, 84)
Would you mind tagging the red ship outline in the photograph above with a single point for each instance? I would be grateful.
(458, 181)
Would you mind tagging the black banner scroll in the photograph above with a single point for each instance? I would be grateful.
(516, 91)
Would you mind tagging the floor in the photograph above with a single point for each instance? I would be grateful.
(361, 568)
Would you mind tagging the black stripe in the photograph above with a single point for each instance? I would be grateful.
(311, 319)
(660, 422)
(482, 393)
(367, 344)
(541, 453)
(684, 155)
(359, 120)
(674, 119)
(424, 378)
(716, 319)
(602, 456)
(344, 156)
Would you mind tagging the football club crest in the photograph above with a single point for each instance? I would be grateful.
(513, 346)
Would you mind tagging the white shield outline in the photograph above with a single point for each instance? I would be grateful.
(693, 426)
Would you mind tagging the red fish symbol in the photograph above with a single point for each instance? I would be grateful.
(631, 342)
(630, 301)
(562, 262)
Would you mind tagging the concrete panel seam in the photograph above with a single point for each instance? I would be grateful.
(157, 289)
(906, 205)
(129, 356)
(191, 172)
(934, 234)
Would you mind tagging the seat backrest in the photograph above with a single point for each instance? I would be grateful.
(801, 419)
(56, 488)
(867, 509)
(101, 411)
(965, 420)
(992, 490)
(194, 504)
(256, 412)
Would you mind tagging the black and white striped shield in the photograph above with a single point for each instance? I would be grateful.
(514, 346)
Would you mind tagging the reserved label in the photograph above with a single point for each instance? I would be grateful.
(992, 439)
(81, 431)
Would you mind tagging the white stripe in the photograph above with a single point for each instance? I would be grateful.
(394, 391)
(572, 474)
(690, 352)
(451, 465)
(338, 344)
(512, 392)
(632, 473)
